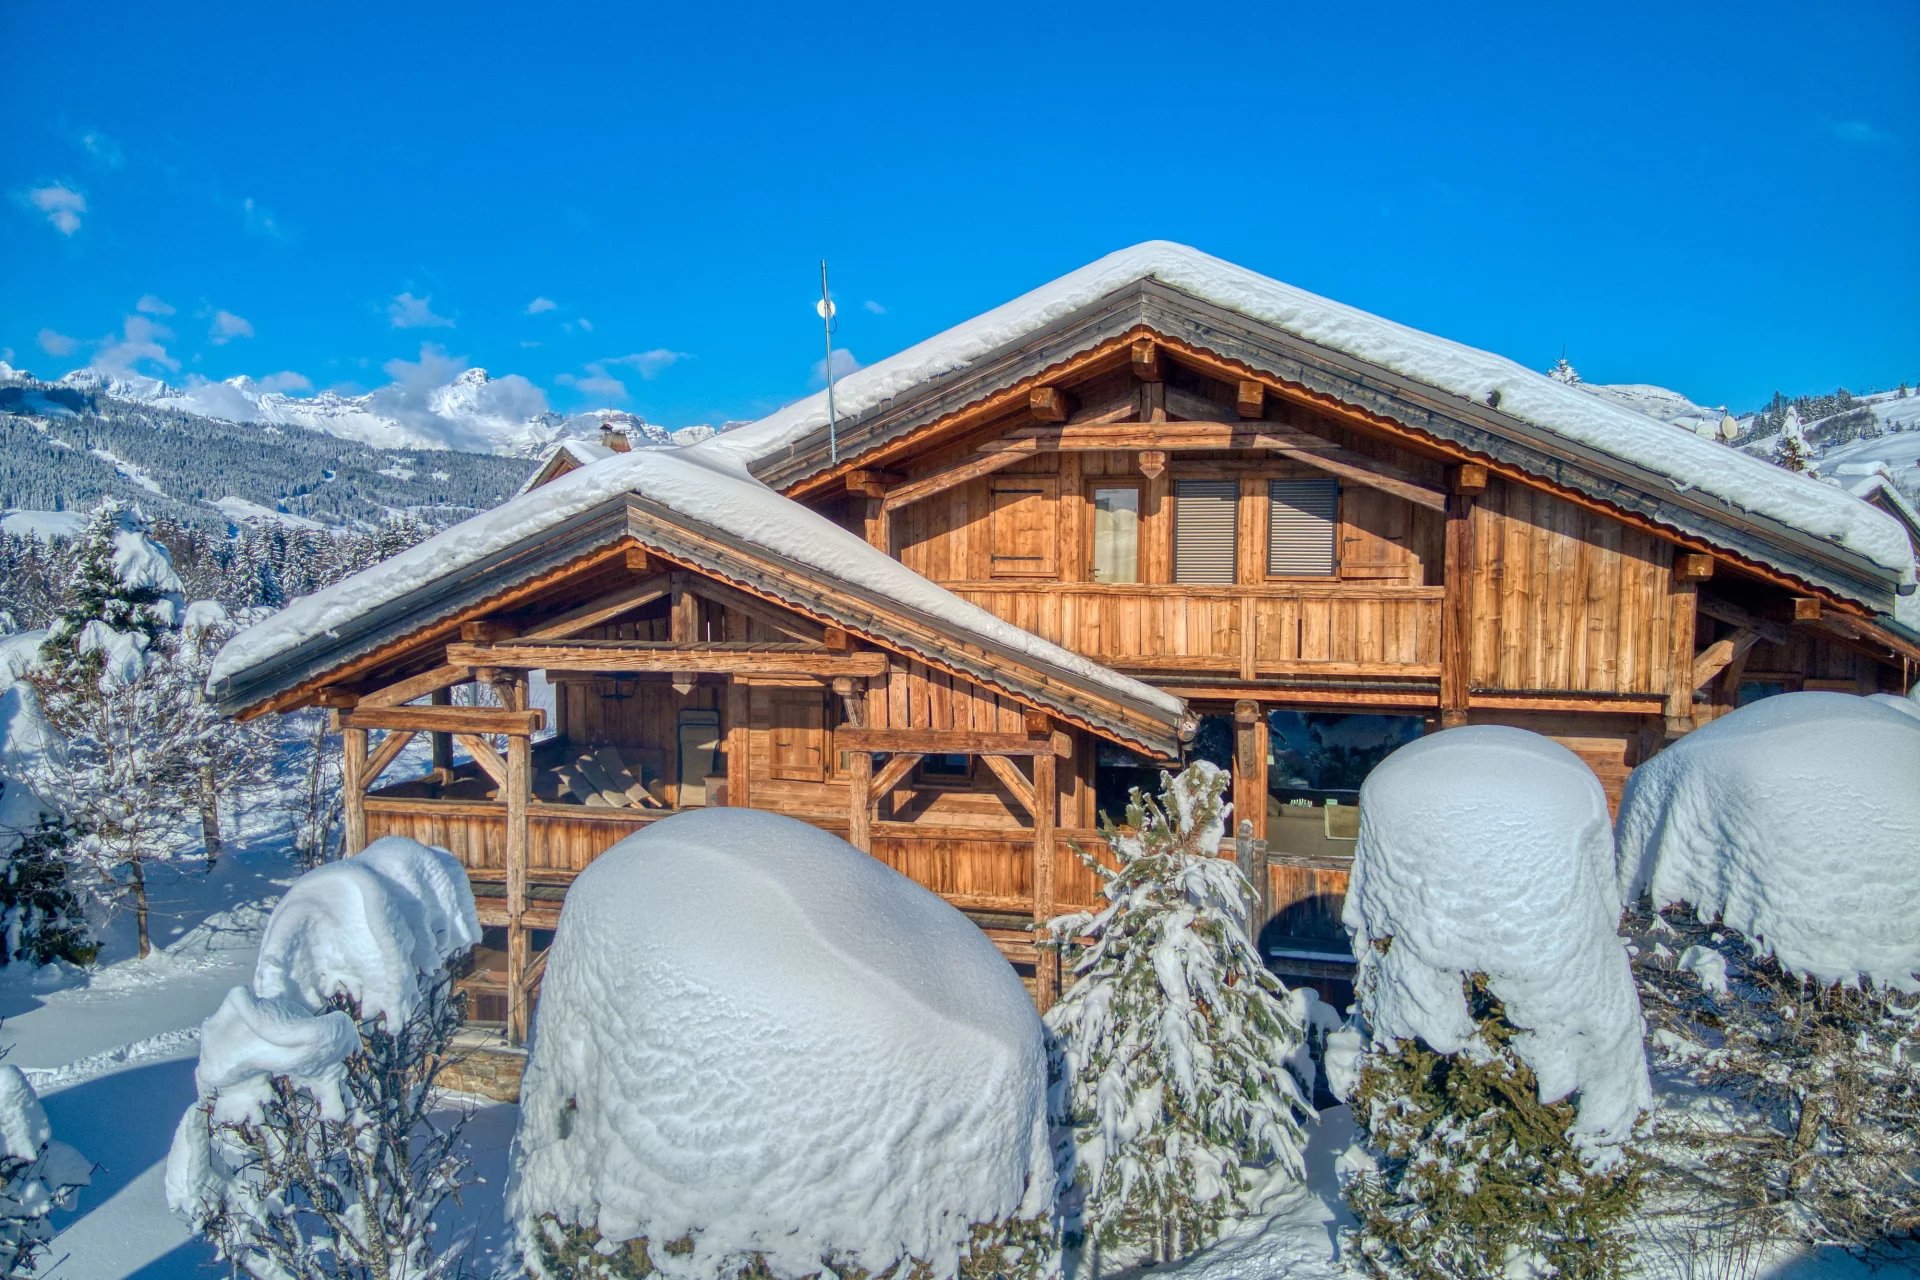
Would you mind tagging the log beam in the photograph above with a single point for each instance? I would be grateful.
(959, 473)
(1250, 399)
(1691, 566)
(1050, 404)
(446, 719)
(1013, 780)
(1721, 654)
(642, 656)
(353, 782)
(1468, 477)
(485, 630)
(955, 742)
(596, 611)
(392, 745)
(892, 774)
(486, 757)
(860, 801)
(1456, 612)
(519, 794)
(1145, 360)
(1046, 795)
(427, 682)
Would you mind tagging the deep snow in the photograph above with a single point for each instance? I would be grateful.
(755, 1034)
(1792, 811)
(1486, 849)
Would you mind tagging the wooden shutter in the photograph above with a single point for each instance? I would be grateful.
(1023, 527)
(1204, 530)
(1301, 526)
(799, 735)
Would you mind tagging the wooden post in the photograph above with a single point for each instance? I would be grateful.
(1456, 619)
(1251, 856)
(738, 715)
(1250, 765)
(519, 791)
(860, 800)
(877, 524)
(1684, 597)
(353, 781)
(1046, 800)
(442, 742)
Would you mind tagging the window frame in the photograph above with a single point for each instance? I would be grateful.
(1091, 526)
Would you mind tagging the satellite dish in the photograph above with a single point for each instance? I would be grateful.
(1729, 427)
(824, 309)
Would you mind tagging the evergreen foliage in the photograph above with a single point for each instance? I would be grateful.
(1466, 1170)
(97, 592)
(42, 919)
(302, 1191)
(1174, 1039)
(1824, 1141)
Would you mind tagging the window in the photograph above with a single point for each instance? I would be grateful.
(1116, 773)
(1301, 525)
(1204, 514)
(946, 769)
(1022, 535)
(798, 732)
(1322, 757)
(1116, 532)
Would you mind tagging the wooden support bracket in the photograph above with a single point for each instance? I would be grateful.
(1146, 360)
(1011, 778)
(1250, 399)
(1050, 404)
(1690, 566)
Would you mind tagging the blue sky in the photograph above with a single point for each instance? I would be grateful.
(1720, 199)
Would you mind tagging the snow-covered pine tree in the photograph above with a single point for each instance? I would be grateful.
(41, 917)
(1562, 371)
(120, 581)
(37, 1175)
(1791, 452)
(1174, 1038)
(1824, 1141)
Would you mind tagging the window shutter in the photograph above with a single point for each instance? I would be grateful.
(1300, 527)
(1204, 530)
(1021, 531)
(799, 747)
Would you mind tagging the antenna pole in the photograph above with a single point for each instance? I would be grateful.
(826, 321)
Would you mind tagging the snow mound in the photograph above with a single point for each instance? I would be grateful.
(37, 1174)
(1795, 820)
(754, 1034)
(1486, 850)
(248, 1040)
(368, 927)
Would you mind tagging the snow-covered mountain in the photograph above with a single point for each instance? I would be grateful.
(472, 413)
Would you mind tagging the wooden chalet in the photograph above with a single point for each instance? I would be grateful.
(1162, 508)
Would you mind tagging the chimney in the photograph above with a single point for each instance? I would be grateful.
(612, 437)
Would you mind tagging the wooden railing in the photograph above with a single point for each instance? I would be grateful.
(1332, 629)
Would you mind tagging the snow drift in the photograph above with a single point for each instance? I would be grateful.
(1795, 820)
(755, 1036)
(1487, 850)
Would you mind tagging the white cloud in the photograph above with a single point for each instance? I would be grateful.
(259, 221)
(56, 344)
(227, 326)
(152, 306)
(650, 364)
(596, 381)
(1857, 131)
(528, 344)
(583, 324)
(410, 397)
(285, 380)
(61, 204)
(409, 312)
(874, 307)
(103, 148)
(540, 304)
(140, 340)
(844, 363)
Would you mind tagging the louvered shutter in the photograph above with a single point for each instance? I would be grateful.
(1300, 527)
(1204, 530)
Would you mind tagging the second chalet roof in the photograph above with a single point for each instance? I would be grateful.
(705, 492)
(1490, 388)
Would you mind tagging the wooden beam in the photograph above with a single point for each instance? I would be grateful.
(353, 783)
(1046, 793)
(1721, 654)
(644, 656)
(871, 482)
(484, 630)
(1683, 596)
(683, 622)
(446, 719)
(1806, 608)
(754, 607)
(1468, 477)
(426, 683)
(892, 774)
(392, 745)
(1737, 616)
(519, 793)
(637, 560)
(957, 474)
(337, 699)
(442, 742)
(875, 524)
(1012, 779)
(1250, 399)
(598, 610)
(934, 742)
(1050, 404)
(1690, 566)
(739, 767)
(1456, 612)
(1145, 360)
(485, 756)
(859, 800)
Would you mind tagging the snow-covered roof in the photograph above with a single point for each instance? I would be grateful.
(582, 453)
(707, 488)
(1554, 408)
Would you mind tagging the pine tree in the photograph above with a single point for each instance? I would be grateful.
(98, 594)
(42, 919)
(37, 1176)
(1792, 452)
(1174, 1038)
(1818, 1135)
(1562, 371)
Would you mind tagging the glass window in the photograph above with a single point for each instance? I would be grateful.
(1116, 533)
(1323, 757)
(1754, 690)
(1116, 772)
(943, 767)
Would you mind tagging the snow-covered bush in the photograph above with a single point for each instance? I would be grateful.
(1772, 860)
(1505, 1077)
(37, 1175)
(314, 1148)
(1175, 1041)
(760, 1051)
